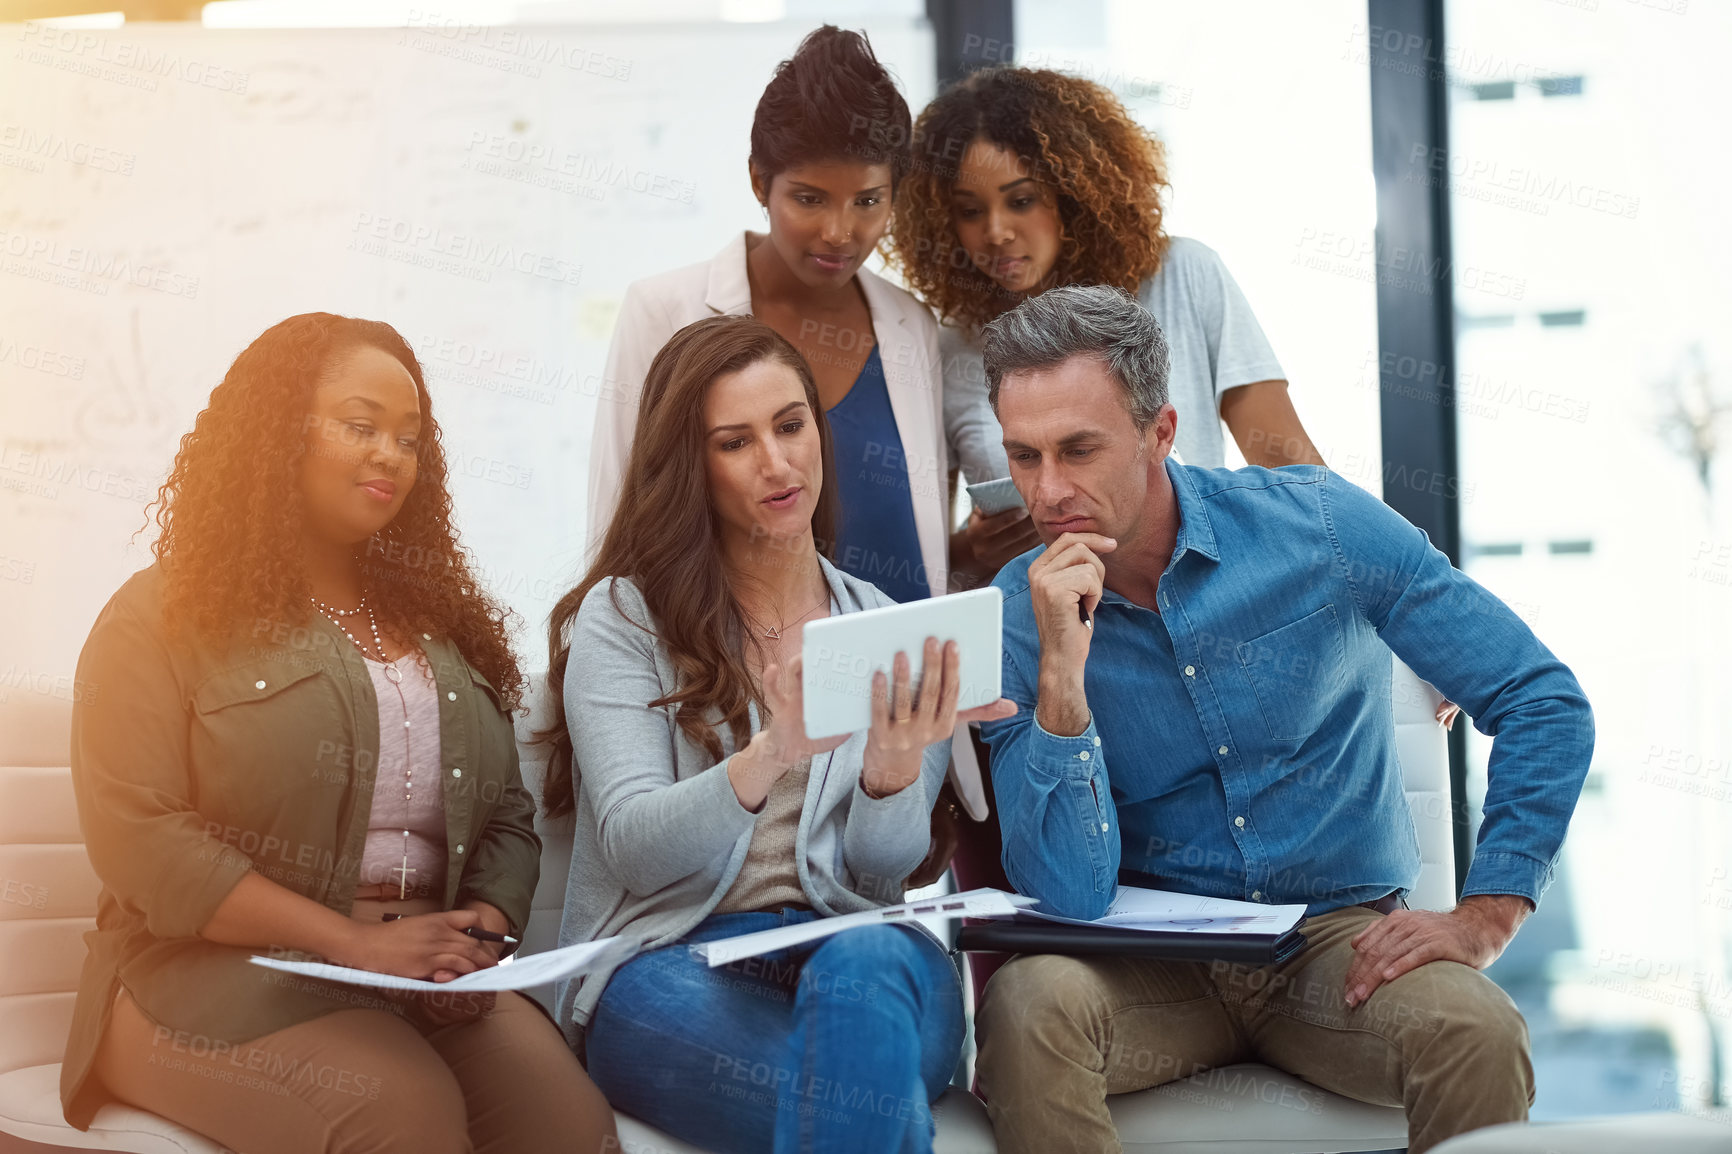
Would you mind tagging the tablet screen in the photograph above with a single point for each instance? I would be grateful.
(840, 654)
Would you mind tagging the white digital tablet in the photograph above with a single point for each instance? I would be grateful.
(840, 654)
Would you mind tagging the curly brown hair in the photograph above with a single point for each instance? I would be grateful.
(230, 513)
(1106, 170)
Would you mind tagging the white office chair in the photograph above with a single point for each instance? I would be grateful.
(49, 893)
(48, 900)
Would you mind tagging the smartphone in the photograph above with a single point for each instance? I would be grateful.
(994, 497)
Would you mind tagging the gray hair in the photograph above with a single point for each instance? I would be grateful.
(1099, 321)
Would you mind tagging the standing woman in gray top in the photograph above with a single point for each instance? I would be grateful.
(1025, 179)
(703, 811)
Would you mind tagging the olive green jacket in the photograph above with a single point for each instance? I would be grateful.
(196, 763)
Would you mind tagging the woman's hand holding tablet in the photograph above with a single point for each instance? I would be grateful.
(782, 743)
(908, 718)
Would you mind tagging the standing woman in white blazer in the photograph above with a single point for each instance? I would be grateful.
(830, 143)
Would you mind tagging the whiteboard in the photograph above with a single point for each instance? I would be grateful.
(168, 191)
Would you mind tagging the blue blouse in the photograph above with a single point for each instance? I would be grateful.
(876, 540)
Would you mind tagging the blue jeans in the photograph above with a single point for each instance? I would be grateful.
(837, 1045)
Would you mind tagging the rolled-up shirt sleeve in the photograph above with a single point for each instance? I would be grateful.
(1456, 634)
(132, 774)
(1055, 804)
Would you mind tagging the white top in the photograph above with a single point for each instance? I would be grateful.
(1213, 338)
(408, 765)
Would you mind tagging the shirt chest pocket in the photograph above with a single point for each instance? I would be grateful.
(268, 738)
(1297, 673)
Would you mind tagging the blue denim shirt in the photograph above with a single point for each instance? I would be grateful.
(1242, 743)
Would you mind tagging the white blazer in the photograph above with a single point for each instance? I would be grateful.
(907, 334)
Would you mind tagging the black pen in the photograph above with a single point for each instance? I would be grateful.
(479, 935)
(1082, 612)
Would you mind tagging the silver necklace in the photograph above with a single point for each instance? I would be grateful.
(391, 671)
(333, 611)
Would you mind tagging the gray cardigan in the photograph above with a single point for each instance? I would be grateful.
(659, 833)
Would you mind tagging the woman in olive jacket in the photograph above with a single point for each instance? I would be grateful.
(303, 727)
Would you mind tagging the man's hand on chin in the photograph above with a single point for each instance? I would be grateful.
(1474, 933)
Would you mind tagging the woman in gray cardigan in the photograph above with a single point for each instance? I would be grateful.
(702, 809)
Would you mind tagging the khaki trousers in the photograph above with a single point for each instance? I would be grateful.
(1058, 1034)
(357, 1081)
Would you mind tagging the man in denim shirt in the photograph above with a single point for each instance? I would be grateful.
(1203, 661)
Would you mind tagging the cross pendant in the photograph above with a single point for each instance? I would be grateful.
(405, 870)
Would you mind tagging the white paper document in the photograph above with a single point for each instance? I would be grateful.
(1139, 909)
(981, 903)
(522, 974)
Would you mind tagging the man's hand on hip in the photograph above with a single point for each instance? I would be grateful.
(1474, 934)
(1067, 575)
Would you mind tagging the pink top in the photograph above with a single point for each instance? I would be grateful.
(408, 765)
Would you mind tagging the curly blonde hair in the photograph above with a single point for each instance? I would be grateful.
(230, 513)
(1106, 170)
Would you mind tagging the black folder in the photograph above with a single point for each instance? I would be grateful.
(1025, 935)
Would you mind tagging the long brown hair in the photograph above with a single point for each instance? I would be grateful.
(231, 514)
(1106, 170)
(664, 537)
